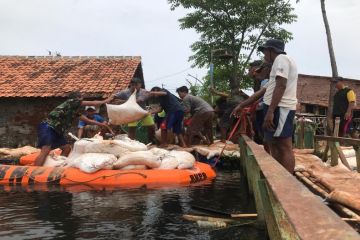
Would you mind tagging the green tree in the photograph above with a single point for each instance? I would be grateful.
(236, 25)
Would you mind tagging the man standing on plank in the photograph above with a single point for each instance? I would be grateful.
(279, 102)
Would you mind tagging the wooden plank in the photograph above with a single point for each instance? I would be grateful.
(357, 154)
(302, 133)
(255, 177)
(336, 128)
(272, 225)
(306, 213)
(325, 153)
(334, 154)
(350, 141)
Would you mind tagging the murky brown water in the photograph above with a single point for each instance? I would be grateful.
(125, 213)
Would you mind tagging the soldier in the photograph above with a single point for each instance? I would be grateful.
(51, 131)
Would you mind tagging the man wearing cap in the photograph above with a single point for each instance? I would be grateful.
(279, 102)
(141, 98)
(92, 123)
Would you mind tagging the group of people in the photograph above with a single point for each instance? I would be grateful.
(52, 130)
(275, 98)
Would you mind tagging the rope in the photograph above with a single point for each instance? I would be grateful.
(242, 118)
(75, 181)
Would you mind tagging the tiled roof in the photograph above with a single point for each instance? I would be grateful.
(316, 89)
(22, 76)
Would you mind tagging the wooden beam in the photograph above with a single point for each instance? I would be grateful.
(357, 154)
(302, 213)
(350, 141)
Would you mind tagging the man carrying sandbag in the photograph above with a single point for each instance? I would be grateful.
(51, 131)
(174, 114)
(202, 115)
(141, 98)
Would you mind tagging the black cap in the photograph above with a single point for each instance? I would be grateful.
(136, 80)
(276, 44)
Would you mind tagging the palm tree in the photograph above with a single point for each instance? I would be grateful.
(333, 68)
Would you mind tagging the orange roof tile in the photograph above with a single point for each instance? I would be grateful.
(22, 76)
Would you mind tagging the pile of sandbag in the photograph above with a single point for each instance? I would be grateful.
(91, 155)
(16, 153)
(215, 149)
(342, 184)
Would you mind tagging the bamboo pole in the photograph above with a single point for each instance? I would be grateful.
(243, 215)
(205, 218)
(357, 154)
(325, 195)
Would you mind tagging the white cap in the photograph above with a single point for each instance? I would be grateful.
(90, 107)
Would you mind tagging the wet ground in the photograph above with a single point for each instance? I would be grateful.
(125, 213)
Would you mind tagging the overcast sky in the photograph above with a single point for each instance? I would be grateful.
(149, 29)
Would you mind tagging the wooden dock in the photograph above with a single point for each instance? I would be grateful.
(285, 207)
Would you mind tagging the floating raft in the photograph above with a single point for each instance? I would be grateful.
(34, 175)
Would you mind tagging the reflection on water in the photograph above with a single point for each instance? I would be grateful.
(125, 213)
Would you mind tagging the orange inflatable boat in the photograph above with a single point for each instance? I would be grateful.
(34, 175)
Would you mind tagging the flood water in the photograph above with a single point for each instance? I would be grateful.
(125, 213)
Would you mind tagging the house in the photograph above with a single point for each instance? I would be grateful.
(313, 93)
(32, 86)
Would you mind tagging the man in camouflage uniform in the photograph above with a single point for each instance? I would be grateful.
(51, 131)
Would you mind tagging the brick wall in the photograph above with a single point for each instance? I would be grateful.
(20, 117)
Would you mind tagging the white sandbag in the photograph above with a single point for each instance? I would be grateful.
(138, 158)
(16, 153)
(53, 160)
(135, 167)
(92, 162)
(131, 145)
(186, 160)
(169, 162)
(349, 153)
(209, 152)
(159, 151)
(97, 146)
(130, 111)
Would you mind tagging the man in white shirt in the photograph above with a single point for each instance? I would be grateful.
(279, 102)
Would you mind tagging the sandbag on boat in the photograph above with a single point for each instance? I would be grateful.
(130, 111)
(186, 160)
(92, 162)
(131, 145)
(97, 146)
(138, 158)
(54, 160)
(177, 159)
(169, 162)
(159, 151)
(16, 153)
(135, 167)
